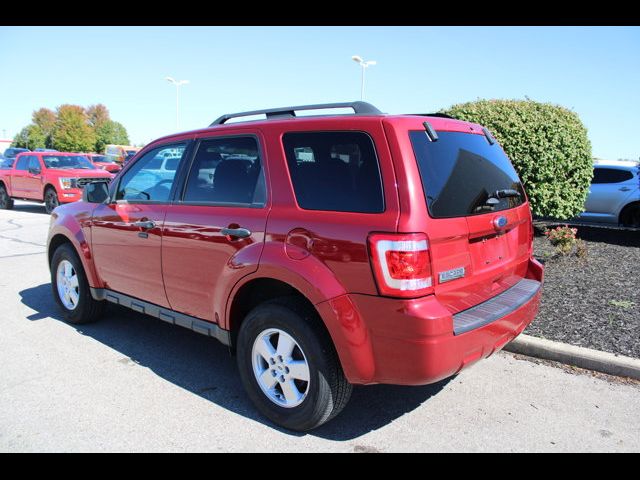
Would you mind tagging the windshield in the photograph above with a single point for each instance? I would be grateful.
(68, 161)
(463, 174)
(6, 164)
(102, 158)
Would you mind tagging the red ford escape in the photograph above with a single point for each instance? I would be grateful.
(325, 250)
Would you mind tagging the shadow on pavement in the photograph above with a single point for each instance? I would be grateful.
(30, 208)
(203, 366)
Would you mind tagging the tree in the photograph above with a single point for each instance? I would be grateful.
(45, 119)
(98, 115)
(110, 132)
(30, 137)
(548, 146)
(72, 132)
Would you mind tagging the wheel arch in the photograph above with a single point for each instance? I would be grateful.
(625, 210)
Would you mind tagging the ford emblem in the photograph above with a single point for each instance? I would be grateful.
(500, 222)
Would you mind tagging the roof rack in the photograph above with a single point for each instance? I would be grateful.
(359, 108)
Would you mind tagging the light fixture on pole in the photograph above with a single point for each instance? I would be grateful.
(178, 84)
(358, 59)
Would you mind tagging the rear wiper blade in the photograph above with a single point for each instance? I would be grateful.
(507, 192)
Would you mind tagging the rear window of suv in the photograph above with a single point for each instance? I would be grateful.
(463, 174)
(334, 171)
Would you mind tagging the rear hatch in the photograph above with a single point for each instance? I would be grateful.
(477, 218)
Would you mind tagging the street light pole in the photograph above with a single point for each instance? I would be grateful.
(178, 84)
(358, 59)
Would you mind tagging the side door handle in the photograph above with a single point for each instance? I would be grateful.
(146, 224)
(624, 189)
(236, 232)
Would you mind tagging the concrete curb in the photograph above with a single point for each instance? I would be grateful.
(581, 357)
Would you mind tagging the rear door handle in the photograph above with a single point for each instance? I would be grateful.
(146, 224)
(236, 232)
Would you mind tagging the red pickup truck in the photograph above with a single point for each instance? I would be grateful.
(52, 178)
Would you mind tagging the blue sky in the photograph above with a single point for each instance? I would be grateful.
(595, 71)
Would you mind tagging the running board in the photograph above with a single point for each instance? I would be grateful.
(166, 315)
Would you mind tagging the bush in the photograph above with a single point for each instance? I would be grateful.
(548, 146)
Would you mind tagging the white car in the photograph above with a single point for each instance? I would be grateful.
(614, 196)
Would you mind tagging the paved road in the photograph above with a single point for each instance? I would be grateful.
(133, 383)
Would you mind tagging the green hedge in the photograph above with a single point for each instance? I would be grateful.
(548, 146)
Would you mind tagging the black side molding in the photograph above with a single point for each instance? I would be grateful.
(192, 323)
(431, 133)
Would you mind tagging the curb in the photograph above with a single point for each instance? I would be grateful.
(581, 357)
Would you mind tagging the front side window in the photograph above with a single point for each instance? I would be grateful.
(34, 163)
(227, 170)
(334, 171)
(610, 175)
(149, 179)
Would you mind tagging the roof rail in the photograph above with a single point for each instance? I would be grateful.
(359, 108)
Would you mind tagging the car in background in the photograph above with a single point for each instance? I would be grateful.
(11, 153)
(46, 150)
(49, 177)
(104, 162)
(614, 196)
(120, 153)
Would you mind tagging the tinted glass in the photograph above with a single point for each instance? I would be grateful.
(34, 163)
(23, 163)
(12, 152)
(610, 175)
(66, 162)
(147, 180)
(101, 158)
(462, 174)
(7, 164)
(334, 171)
(227, 170)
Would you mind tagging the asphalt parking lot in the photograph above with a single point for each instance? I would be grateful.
(134, 383)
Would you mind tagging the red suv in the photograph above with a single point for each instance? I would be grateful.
(325, 251)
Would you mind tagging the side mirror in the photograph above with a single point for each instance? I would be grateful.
(34, 171)
(95, 192)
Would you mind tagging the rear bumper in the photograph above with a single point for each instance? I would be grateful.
(414, 342)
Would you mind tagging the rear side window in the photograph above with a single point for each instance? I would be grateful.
(227, 171)
(463, 174)
(610, 175)
(334, 171)
(23, 163)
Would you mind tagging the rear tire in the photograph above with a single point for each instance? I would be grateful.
(281, 393)
(630, 216)
(71, 288)
(51, 200)
(6, 202)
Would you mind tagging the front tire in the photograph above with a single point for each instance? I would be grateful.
(6, 202)
(51, 200)
(71, 288)
(289, 366)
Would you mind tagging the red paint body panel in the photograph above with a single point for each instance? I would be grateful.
(411, 342)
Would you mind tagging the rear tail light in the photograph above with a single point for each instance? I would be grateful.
(401, 264)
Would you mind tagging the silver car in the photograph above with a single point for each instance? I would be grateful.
(614, 196)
